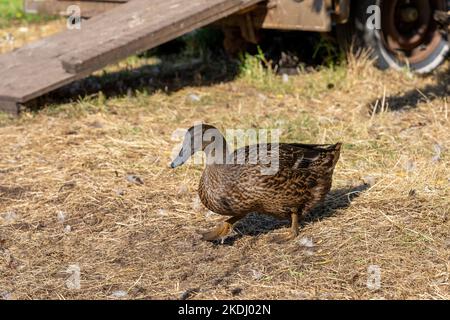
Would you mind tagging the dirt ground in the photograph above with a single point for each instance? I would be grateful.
(68, 204)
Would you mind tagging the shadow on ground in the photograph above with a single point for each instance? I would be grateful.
(168, 77)
(256, 224)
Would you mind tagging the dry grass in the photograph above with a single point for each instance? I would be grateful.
(67, 164)
(13, 37)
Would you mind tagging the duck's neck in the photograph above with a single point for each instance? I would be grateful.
(217, 152)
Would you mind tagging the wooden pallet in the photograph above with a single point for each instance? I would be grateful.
(138, 25)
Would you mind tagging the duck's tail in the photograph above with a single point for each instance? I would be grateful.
(337, 146)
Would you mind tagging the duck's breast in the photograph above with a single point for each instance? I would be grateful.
(217, 190)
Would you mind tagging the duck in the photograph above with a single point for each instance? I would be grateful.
(236, 183)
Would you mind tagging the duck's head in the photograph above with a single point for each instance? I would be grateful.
(197, 138)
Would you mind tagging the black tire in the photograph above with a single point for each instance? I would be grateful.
(427, 55)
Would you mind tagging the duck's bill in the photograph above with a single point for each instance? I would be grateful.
(177, 162)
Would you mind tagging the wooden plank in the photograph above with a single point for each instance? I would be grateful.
(36, 68)
(118, 1)
(58, 7)
(152, 23)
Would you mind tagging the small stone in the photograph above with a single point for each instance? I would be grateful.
(187, 294)
(369, 180)
(61, 216)
(194, 98)
(67, 229)
(161, 212)
(285, 78)
(119, 294)
(236, 291)
(134, 179)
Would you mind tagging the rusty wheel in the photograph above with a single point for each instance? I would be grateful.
(405, 34)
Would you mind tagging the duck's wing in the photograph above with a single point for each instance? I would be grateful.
(306, 156)
(296, 156)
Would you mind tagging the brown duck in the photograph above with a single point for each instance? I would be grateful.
(234, 187)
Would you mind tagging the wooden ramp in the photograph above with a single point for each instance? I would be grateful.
(138, 25)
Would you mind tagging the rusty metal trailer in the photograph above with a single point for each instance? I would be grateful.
(407, 34)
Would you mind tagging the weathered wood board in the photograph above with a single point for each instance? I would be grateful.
(59, 7)
(116, 36)
(137, 25)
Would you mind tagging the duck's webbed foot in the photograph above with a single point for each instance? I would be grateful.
(222, 231)
(218, 233)
(286, 237)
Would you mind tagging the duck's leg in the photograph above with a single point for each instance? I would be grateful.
(221, 231)
(294, 224)
(293, 231)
